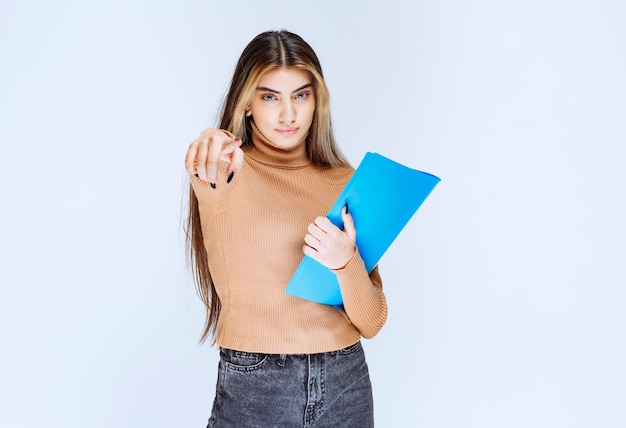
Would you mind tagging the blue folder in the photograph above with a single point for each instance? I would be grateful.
(382, 196)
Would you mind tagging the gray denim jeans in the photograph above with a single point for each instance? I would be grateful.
(330, 389)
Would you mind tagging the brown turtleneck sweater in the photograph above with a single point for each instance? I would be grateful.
(254, 230)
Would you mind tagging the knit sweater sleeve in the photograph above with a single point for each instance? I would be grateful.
(363, 298)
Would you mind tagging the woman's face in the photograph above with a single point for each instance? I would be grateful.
(283, 105)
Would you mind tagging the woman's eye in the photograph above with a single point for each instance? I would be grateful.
(302, 95)
(269, 97)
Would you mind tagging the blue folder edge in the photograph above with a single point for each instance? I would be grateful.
(382, 196)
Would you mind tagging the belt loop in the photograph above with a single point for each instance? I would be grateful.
(281, 360)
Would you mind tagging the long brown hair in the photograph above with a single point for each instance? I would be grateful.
(267, 51)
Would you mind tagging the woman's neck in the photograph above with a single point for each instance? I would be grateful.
(266, 152)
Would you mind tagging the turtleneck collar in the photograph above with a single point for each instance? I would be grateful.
(264, 151)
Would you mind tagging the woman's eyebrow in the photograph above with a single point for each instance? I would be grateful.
(274, 91)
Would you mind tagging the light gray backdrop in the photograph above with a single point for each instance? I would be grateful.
(506, 290)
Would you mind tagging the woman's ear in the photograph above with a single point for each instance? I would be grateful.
(248, 111)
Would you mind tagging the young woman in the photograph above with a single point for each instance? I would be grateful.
(260, 187)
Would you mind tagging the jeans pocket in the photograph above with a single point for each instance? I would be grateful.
(243, 361)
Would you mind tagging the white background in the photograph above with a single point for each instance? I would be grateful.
(506, 290)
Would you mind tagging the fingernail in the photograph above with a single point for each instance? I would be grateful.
(213, 185)
(346, 208)
(230, 177)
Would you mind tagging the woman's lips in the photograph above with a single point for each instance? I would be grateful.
(287, 131)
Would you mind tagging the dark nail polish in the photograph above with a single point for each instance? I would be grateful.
(230, 177)
(196, 175)
(346, 208)
(213, 185)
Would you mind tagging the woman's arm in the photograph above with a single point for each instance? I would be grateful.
(363, 298)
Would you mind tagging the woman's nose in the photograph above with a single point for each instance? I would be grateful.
(288, 113)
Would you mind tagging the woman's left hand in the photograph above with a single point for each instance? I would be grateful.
(328, 244)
